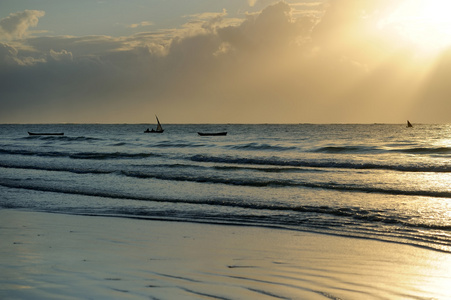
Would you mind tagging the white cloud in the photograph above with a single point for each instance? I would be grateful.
(16, 25)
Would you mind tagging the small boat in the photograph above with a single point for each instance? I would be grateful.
(212, 133)
(45, 133)
(409, 124)
(158, 130)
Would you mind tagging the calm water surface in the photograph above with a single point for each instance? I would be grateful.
(384, 182)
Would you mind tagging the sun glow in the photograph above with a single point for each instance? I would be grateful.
(426, 24)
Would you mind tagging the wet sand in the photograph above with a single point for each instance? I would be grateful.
(56, 256)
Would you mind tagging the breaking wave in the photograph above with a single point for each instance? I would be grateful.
(320, 163)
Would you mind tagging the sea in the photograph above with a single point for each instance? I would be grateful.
(382, 182)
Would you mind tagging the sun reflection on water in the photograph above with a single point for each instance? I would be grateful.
(436, 273)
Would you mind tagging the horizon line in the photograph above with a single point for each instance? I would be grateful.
(269, 123)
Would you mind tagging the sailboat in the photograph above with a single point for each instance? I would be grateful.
(409, 124)
(158, 130)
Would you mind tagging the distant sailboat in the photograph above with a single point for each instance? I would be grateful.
(158, 130)
(409, 124)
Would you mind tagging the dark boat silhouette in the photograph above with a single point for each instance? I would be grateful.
(212, 133)
(158, 130)
(45, 133)
(409, 124)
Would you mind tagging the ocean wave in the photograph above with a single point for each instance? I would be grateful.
(377, 149)
(200, 176)
(95, 169)
(262, 147)
(385, 225)
(347, 149)
(180, 144)
(63, 138)
(77, 155)
(426, 150)
(274, 169)
(33, 153)
(108, 155)
(205, 179)
(71, 169)
(252, 182)
(354, 213)
(319, 163)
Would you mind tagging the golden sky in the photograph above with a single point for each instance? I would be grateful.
(236, 61)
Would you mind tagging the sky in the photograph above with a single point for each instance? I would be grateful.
(225, 61)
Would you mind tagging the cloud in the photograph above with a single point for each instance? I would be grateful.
(11, 56)
(308, 8)
(16, 25)
(63, 55)
(273, 27)
(252, 2)
(272, 66)
(7, 54)
(141, 24)
(186, 66)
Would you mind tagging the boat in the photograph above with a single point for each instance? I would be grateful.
(409, 124)
(212, 133)
(45, 133)
(158, 130)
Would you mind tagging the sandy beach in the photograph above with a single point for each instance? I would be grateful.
(57, 256)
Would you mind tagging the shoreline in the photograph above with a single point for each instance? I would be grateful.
(58, 256)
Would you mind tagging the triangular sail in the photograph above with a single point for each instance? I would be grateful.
(409, 124)
(159, 128)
